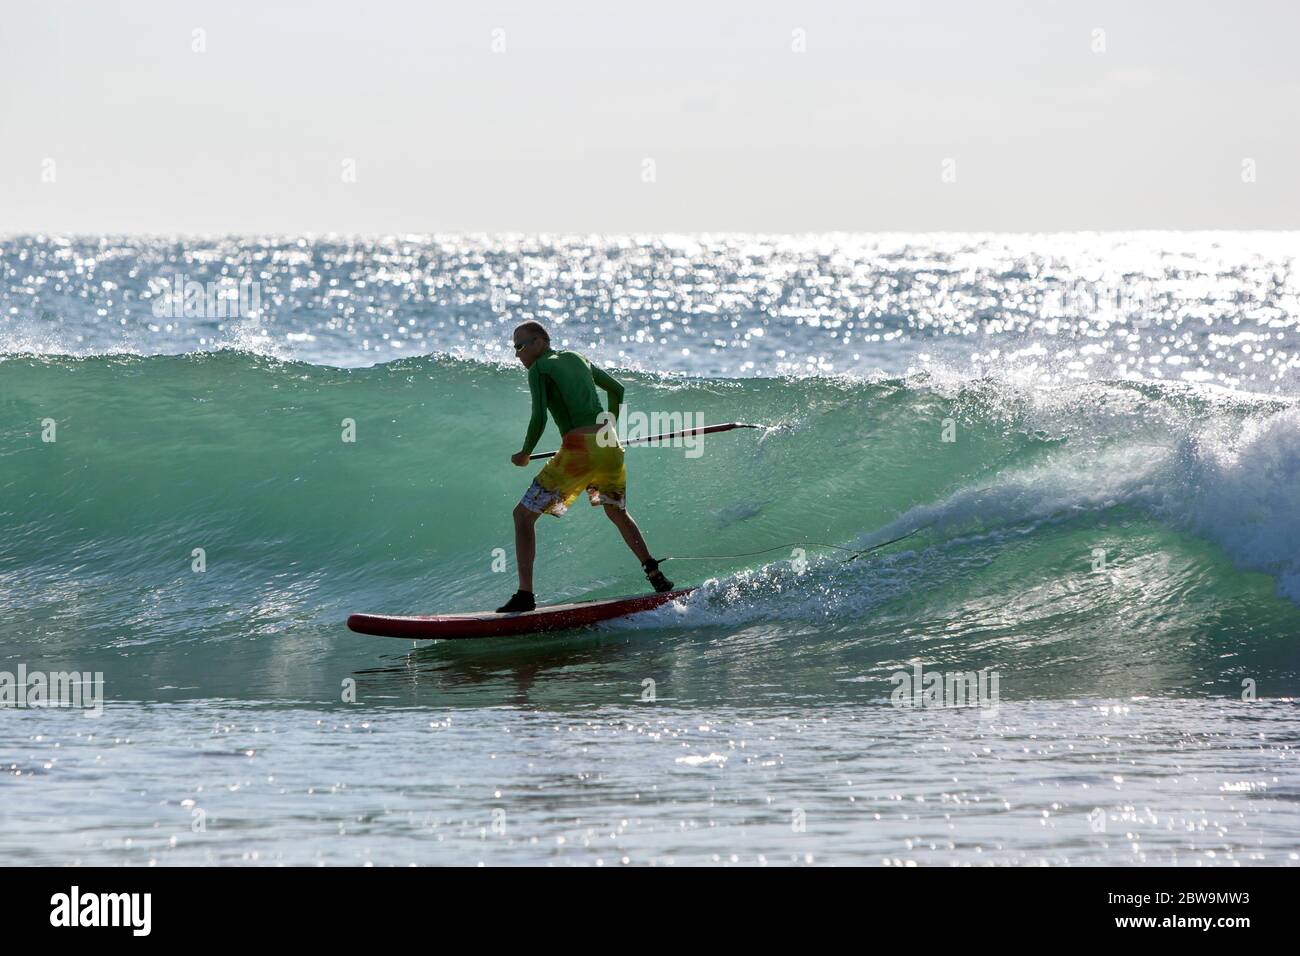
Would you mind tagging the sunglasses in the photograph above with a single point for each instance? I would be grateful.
(520, 346)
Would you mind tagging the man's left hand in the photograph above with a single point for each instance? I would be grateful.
(519, 458)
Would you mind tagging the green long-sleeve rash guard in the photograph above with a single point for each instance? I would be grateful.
(565, 383)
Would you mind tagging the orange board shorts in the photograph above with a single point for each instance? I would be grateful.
(582, 464)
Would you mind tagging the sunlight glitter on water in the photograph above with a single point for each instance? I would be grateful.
(1220, 308)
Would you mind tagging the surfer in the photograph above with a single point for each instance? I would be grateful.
(565, 383)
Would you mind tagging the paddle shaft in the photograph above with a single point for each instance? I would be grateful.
(706, 430)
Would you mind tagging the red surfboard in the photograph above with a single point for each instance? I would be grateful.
(555, 617)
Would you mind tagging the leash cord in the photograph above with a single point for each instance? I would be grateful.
(795, 544)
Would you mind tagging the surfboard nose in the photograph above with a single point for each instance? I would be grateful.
(364, 624)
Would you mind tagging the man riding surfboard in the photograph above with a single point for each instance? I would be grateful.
(565, 383)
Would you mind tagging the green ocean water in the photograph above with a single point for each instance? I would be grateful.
(1119, 554)
(1107, 538)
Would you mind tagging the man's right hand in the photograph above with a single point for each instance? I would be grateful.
(519, 458)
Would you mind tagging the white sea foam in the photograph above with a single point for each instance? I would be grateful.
(1243, 492)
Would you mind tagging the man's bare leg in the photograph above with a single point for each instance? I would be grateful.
(630, 532)
(526, 544)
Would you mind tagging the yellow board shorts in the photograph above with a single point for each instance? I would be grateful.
(581, 464)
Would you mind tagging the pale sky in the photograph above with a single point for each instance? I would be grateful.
(142, 134)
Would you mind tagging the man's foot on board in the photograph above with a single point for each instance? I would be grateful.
(522, 601)
(655, 576)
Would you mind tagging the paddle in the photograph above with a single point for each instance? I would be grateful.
(706, 430)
